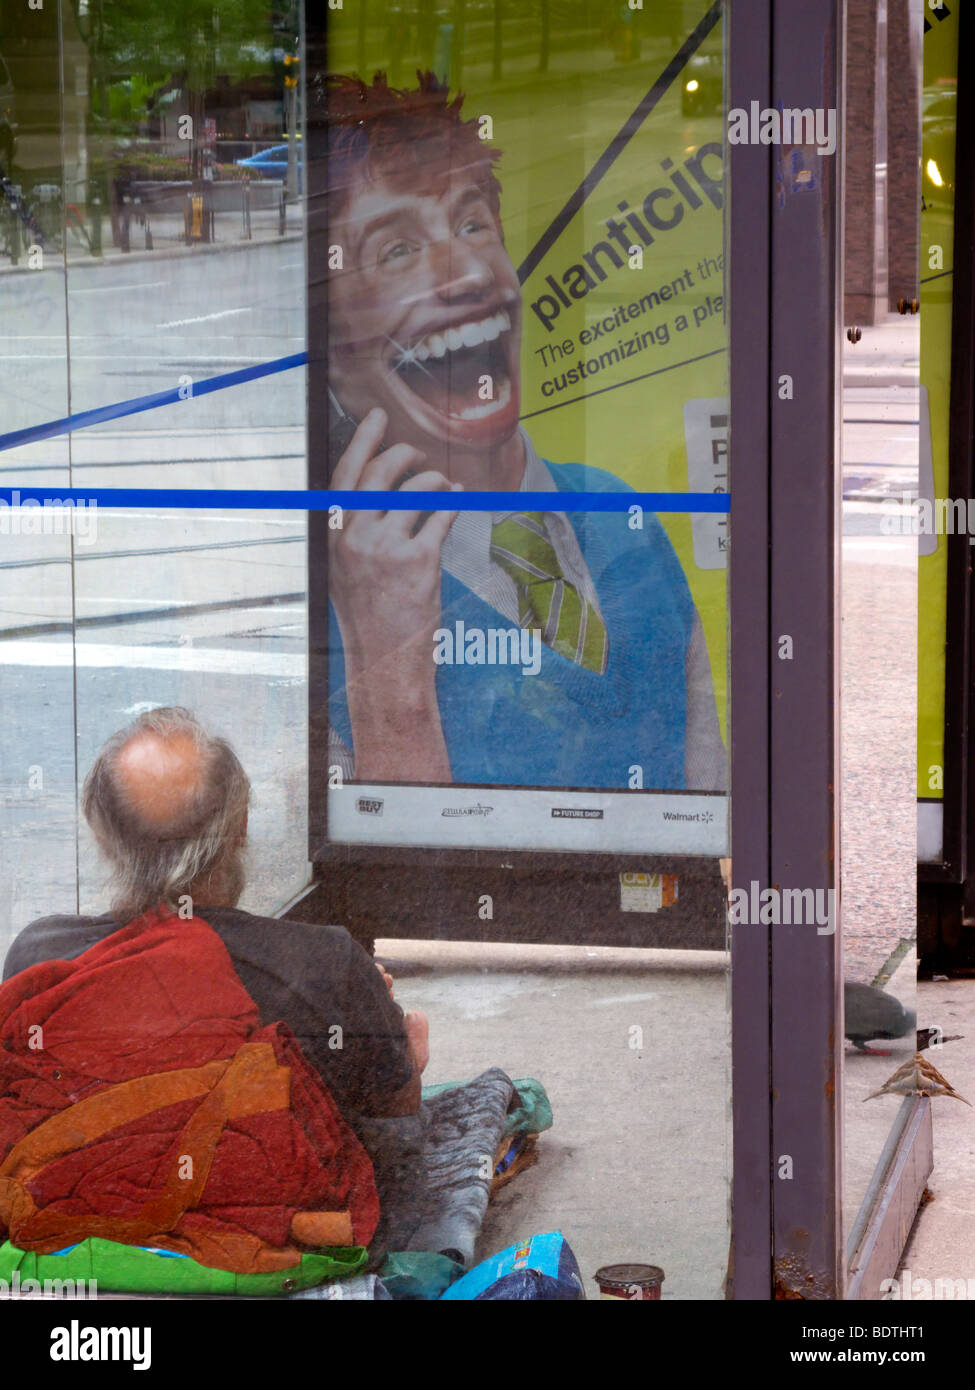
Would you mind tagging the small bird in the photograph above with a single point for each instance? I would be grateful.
(933, 1037)
(917, 1078)
(873, 1013)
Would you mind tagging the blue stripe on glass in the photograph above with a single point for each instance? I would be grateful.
(305, 500)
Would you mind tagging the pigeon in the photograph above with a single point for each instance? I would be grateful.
(917, 1078)
(873, 1013)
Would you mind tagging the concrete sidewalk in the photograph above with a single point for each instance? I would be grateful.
(868, 1122)
(880, 380)
(942, 1243)
(637, 1165)
(886, 355)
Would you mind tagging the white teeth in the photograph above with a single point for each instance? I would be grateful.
(466, 335)
(478, 412)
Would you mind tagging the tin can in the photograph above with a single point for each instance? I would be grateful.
(629, 1281)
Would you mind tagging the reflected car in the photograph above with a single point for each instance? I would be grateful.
(939, 114)
(8, 120)
(702, 85)
(271, 163)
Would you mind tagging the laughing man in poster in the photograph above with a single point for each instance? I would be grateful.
(424, 323)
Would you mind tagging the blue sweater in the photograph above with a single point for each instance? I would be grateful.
(567, 726)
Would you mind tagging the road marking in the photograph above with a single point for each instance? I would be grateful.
(205, 660)
(269, 611)
(203, 318)
(624, 999)
(116, 289)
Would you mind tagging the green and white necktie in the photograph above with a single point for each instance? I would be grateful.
(569, 623)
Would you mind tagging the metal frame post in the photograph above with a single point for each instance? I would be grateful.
(804, 475)
(748, 279)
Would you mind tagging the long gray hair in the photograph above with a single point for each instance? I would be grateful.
(152, 865)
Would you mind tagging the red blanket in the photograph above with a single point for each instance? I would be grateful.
(142, 1101)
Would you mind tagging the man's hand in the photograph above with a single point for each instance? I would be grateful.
(415, 1023)
(384, 582)
(418, 1032)
(407, 1100)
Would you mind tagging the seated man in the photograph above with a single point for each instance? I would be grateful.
(167, 803)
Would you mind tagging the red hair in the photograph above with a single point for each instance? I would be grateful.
(405, 136)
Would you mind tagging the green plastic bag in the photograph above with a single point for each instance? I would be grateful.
(419, 1275)
(111, 1267)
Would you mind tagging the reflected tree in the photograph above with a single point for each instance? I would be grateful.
(177, 48)
(543, 48)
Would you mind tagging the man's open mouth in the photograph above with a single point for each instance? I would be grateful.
(462, 371)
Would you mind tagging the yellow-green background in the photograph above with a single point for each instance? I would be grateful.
(938, 145)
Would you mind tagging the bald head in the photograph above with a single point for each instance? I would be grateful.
(167, 802)
(162, 780)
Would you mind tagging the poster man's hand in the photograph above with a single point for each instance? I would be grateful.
(384, 582)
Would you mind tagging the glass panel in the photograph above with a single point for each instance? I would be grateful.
(879, 596)
(938, 128)
(218, 625)
(525, 295)
(181, 318)
(879, 599)
(545, 315)
(189, 190)
(37, 774)
(186, 187)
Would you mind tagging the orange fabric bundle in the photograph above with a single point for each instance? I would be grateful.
(142, 1101)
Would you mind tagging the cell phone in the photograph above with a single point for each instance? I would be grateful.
(341, 428)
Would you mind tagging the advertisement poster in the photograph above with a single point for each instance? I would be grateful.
(937, 235)
(526, 294)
